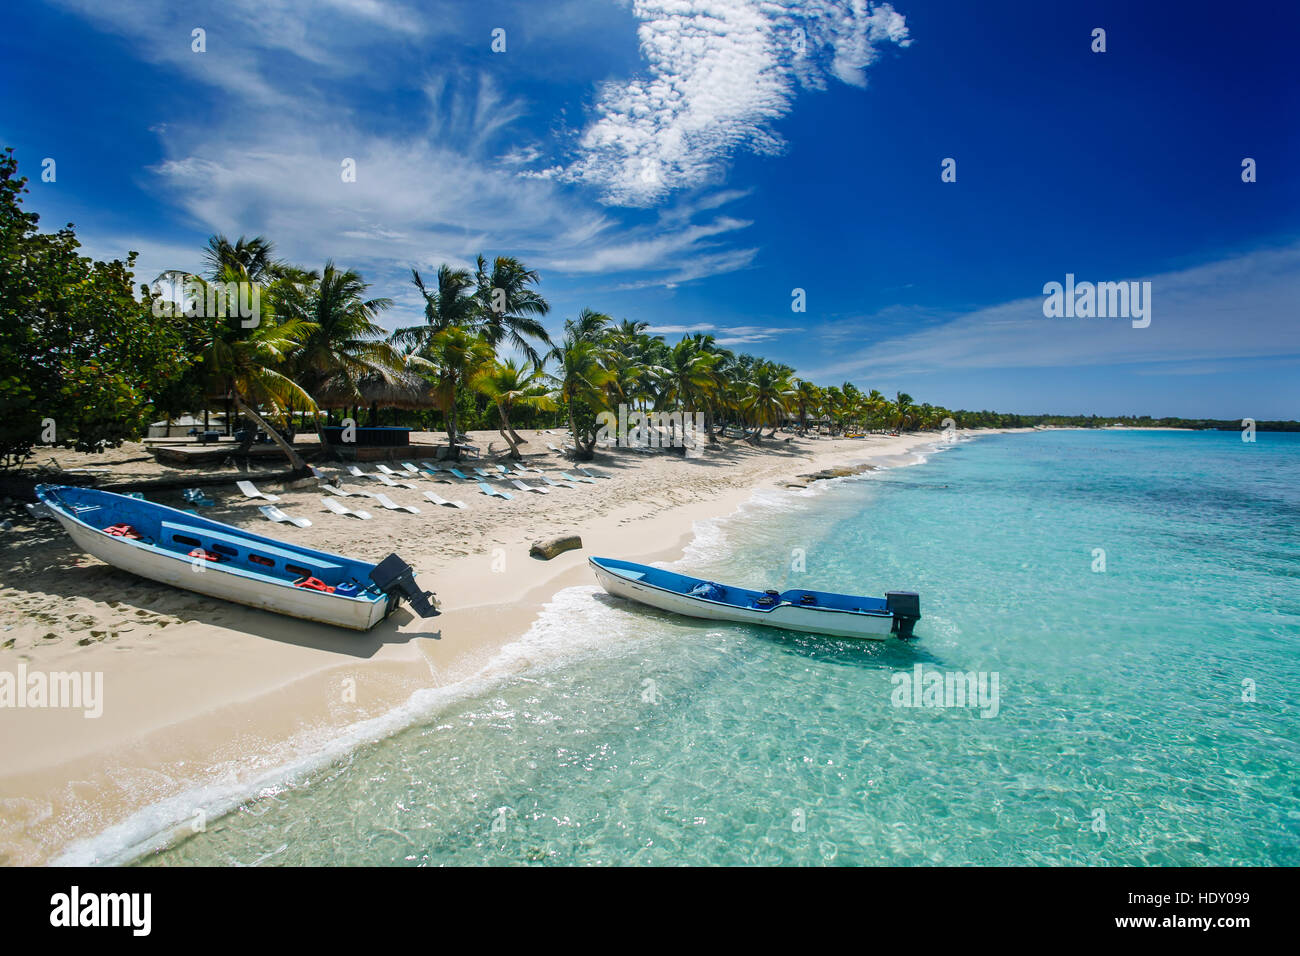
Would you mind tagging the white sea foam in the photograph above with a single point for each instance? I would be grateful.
(573, 626)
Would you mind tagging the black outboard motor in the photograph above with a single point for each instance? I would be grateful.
(906, 608)
(395, 578)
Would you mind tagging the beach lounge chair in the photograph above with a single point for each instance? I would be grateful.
(410, 469)
(356, 472)
(344, 493)
(332, 505)
(398, 474)
(483, 473)
(574, 478)
(491, 492)
(385, 480)
(250, 492)
(439, 500)
(523, 486)
(391, 505)
(276, 515)
(460, 474)
(557, 484)
(592, 474)
(554, 449)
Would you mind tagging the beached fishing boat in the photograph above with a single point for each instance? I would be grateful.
(222, 561)
(820, 612)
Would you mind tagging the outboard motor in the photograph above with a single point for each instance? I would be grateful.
(906, 608)
(395, 578)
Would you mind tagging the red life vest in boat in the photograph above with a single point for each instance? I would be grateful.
(122, 531)
(314, 584)
(205, 555)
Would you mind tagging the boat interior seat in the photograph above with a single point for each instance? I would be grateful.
(176, 535)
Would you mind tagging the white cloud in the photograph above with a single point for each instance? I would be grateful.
(297, 92)
(253, 46)
(1240, 307)
(720, 73)
(725, 335)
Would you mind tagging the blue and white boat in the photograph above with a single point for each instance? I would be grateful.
(222, 561)
(818, 612)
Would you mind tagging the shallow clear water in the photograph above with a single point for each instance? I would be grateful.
(621, 735)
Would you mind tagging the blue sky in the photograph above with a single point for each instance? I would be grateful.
(689, 163)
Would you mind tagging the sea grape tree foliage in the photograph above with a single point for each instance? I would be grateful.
(80, 355)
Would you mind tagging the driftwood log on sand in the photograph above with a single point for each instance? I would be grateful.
(547, 548)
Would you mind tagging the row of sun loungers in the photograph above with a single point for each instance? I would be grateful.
(396, 479)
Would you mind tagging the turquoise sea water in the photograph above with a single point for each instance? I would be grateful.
(1147, 713)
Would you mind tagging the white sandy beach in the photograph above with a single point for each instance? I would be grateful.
(198, 691)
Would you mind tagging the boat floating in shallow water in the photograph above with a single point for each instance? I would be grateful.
(222, 561)
(819, 612)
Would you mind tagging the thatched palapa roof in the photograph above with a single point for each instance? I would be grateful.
(405, 390)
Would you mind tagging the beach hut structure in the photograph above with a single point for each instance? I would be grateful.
(182, 426)
(404, 390)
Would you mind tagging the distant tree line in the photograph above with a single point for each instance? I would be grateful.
(86, 362)
(987, 419)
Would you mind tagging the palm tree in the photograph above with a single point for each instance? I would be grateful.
(580, 380)
(631, 330)
(875, 406)
(509, 385)
(769, 397)
(347, 344)
(589, 326)
(446, 343)
(807, 399)
(449, 303)
(903, 411)
(509, 306)
(833, 405)
(244, 362)
(852, 410)
(688, 377)
(454, 356)
(628, 358)
(255, 257)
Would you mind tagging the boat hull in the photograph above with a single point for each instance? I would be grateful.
(181, 572)
(875, 627)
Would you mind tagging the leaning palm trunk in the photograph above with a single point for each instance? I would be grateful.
(508, 433)
(247, 411)
(579, 453)
(453, 425)
(325, 447)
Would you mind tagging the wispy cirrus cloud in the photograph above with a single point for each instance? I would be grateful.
(440, 186)
(298, 95)
(1240, 307)
(726, 335)
(719, 74)
(261, 51)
